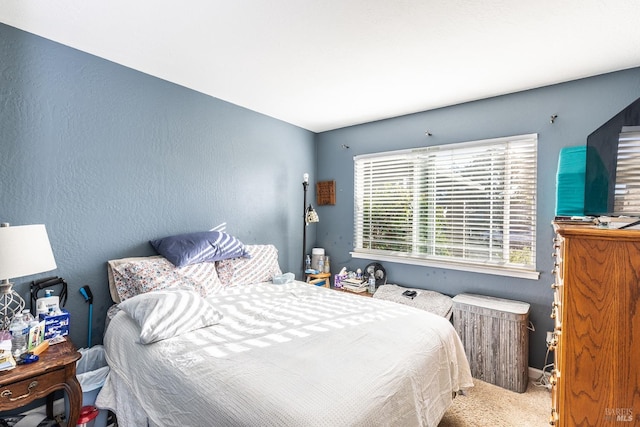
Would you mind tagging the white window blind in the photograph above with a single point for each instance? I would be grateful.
(627, 189)
(461, 204)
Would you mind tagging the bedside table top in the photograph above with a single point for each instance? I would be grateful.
(54, 357)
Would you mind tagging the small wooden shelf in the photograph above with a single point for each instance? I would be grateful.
(320, 279)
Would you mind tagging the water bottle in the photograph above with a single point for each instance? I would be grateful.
(327, 265)
(28, 317)
(372, 284)
(19, 329)
(307, 263)
(321, 265)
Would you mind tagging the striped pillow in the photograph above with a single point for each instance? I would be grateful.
(261, 267)
(205, 275)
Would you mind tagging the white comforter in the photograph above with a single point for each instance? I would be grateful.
(289, 355)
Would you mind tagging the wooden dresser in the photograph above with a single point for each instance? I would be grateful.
(596, 342)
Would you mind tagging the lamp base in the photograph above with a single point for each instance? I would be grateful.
(10, 304)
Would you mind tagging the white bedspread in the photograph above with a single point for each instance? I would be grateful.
(289, 355)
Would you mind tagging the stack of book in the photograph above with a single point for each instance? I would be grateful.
(6, 359)
(354, 285)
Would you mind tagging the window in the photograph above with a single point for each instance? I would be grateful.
(468, 206)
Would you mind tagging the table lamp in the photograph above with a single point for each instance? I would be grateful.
(24, 250)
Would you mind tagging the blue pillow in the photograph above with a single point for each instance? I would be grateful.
(192, 248)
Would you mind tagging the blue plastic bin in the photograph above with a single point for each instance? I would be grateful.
(570, 181)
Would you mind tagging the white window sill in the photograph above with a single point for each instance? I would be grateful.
(483, 269)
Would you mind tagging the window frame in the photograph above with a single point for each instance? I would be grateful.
(496, 267)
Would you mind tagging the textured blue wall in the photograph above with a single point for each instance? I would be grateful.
(109, 158)
(582, 106)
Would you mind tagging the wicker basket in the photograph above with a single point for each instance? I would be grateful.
(495, 336)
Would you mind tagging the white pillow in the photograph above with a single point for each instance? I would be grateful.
(168, 313)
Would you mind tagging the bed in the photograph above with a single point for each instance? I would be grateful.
(242, 351)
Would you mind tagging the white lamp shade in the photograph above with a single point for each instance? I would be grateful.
(311, 215)
(25, 250)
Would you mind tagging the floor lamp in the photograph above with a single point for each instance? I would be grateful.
(309, 216)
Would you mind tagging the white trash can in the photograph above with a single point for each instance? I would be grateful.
(91, 371)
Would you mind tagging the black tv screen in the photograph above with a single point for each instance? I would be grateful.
(602, 155)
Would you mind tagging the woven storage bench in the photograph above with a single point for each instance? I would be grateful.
(431, 301)
(495, 336)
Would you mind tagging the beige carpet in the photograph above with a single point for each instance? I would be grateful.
(488, 405)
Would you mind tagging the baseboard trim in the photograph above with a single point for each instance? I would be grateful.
(534, 373)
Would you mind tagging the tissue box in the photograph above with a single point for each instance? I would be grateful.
(56, 325)
(337, 280)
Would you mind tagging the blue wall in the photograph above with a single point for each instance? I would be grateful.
(109, 158)
(582, 106)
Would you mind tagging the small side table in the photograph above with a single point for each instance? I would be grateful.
(320, 279)
(363, 294)
(56, 370)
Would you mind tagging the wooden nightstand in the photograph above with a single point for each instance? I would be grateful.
(56, 370)
(316, 279)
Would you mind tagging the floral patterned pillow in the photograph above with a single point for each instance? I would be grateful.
(151, 274)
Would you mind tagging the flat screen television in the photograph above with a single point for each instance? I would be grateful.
(602, 163)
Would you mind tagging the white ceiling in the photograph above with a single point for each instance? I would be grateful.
(326, 64)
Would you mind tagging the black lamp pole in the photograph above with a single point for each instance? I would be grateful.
(305, 185)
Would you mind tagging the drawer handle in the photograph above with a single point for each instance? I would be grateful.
(7, 393)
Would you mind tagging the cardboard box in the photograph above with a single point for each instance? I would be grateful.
(55, 326)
